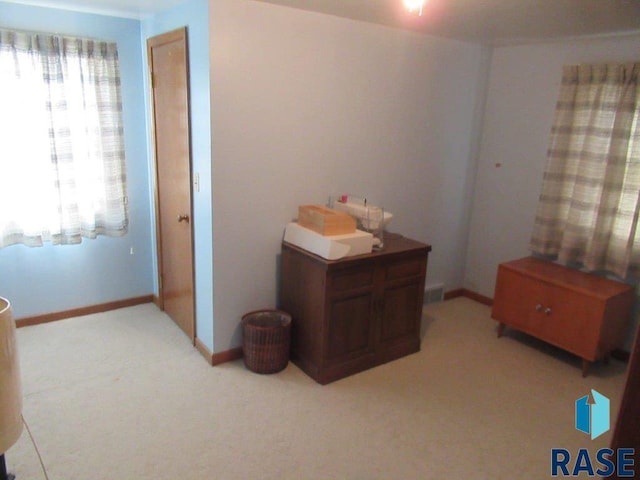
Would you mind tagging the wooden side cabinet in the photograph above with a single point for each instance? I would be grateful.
(576, 311)
(355, 313)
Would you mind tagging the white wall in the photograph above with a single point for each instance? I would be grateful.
(523, 87)
(305, 105)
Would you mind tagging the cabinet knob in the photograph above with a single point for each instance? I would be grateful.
(547, 311)
(539, 307)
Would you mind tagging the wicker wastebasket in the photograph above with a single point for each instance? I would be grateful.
(266, 336)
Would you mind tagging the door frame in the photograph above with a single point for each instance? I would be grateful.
(167, 37)
(628, 419)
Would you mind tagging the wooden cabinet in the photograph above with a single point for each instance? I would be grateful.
(579, 312)
(355, 313)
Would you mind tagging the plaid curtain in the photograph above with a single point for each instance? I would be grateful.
(590, 201)
(62, 164)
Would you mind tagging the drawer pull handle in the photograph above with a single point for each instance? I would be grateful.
(539, 307)
(547, 311)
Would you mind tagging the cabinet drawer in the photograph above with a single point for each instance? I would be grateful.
(408, 268)
(352, 279)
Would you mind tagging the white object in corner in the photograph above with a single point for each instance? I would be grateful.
(331, 247)
(369, 216)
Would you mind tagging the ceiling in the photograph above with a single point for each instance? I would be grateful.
(486, 21)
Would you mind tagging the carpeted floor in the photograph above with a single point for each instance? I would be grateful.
(123, 395)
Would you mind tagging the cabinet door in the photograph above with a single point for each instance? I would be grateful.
(519, 301)
(400, 308)
(400, 312)
(349, 329)
(571, 320)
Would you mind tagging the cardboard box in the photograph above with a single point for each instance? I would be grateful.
(325, 221)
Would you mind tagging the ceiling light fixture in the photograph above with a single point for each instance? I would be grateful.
(414, 5)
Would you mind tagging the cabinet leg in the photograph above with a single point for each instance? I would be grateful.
(585, 367)
(501, 327)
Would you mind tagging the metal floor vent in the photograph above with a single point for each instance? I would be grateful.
(433, 293)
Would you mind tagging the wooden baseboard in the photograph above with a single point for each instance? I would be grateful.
(214, 359)
(204, 351)
(78, 312)
(226, 356)
(463, 292)
(478, 298)
(458, 292)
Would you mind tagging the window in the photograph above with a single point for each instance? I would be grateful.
(590, 201)
(62, 165)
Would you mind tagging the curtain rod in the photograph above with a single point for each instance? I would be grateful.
(630, 62)
(56, 34)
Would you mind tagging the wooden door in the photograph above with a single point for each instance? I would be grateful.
(167, 56)
(627, 429)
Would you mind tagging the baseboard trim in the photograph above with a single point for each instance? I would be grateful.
(463, 292)
(204, 351)
(219, 358)
(226, 356)
(458, 292)
(78, 312)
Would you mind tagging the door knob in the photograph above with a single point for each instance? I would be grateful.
(183, 218)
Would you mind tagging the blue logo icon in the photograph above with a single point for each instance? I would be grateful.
(592, 414)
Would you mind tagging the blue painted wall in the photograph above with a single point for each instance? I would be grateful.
(57, 278)
(194, 14)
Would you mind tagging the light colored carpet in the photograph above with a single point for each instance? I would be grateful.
(123, 395)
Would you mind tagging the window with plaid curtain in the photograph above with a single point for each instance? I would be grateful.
(62, 164)
(590, 201)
